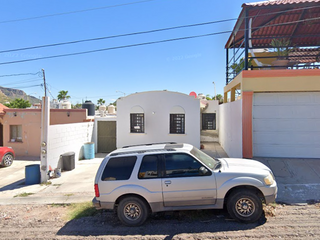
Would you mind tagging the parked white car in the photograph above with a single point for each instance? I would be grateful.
(139, 180)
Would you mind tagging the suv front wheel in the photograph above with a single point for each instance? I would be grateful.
(132, 211)
(244, 206)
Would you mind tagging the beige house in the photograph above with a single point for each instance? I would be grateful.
(20, 128)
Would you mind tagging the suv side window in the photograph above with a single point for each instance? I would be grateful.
(182, 165)
(149, 167)
(119, 168)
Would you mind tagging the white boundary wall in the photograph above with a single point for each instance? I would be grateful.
(65, 138)
(230, 122)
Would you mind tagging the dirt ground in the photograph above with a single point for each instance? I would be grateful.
(48, 222)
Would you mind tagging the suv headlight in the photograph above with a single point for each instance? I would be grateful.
(268, 180)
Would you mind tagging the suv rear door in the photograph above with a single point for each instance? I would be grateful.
(186, 181)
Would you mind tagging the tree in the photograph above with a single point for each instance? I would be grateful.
(218, 97)
(76, 106)
(18, 103)
(63, 95)
(101, 102)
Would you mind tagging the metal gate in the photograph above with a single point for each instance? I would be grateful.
(106, 136)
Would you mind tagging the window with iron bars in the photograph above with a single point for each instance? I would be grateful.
(177, 123)
(137, 122)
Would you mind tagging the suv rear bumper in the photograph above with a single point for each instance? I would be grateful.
(102, 205)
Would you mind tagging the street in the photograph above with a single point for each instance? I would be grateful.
(48, 222)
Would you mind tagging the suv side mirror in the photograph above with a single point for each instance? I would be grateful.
(203, 171)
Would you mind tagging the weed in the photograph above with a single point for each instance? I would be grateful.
(79, 210)
(46, 183)
(68, 194)
(23, 194)
(270, 209)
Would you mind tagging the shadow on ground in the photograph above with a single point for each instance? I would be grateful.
(167, 225)
(15, 185)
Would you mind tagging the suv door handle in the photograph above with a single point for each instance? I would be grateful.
(167, 182)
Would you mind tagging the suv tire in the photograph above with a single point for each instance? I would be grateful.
(132, 211)
(244, 206)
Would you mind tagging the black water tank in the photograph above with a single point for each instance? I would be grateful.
(68, 161)
(90, 106)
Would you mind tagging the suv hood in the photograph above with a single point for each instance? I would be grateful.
(243, 165)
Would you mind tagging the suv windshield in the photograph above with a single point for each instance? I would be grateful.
(204, 158)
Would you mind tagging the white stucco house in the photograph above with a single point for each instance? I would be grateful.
(158, 116)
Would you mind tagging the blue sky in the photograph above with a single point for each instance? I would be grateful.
(182, 66)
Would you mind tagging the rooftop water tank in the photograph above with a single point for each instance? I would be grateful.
(65, 104)
(90, 106)
(111, 109)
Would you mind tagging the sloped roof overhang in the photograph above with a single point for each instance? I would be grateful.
(297, 20)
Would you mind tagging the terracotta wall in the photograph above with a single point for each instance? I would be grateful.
(30, 121)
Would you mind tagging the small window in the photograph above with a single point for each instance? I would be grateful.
(149, 167)
(16, 133)
(182, 165)
(119, 168)
(177, 123)
(208, 121)
(137, 122)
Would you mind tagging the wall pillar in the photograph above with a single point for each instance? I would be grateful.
(247, 124)
(45, 122)
(233, 94)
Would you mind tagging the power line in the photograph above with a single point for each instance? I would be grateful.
(73, 12)
(146, 43)
(145, 32)
(19, 74)
(113, 48)
(114, 36)
(19, 82)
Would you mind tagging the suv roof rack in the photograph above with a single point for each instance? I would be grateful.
(148, 144)
(141, 152)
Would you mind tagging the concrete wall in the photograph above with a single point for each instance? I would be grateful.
(157, 106)
(63, 116)
(29, 147)
(65, 138)
(230, 133)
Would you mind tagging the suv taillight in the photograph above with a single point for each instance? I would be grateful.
(96, 190)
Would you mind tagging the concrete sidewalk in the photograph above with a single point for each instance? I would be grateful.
(73, 186)
(298, 181)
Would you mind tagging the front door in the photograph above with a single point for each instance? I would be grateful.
(106, 136)
(185, 182)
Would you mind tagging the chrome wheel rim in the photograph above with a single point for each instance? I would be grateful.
(7, 161)
(132, 211)
(245, 207)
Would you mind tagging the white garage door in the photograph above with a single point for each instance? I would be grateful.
(286, 125)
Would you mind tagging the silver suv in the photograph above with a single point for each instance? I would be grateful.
(139, 180)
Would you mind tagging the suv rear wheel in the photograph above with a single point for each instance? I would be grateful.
(132, 211)
(244, 206)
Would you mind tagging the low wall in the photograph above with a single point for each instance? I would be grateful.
(230, 134)
(65, 138)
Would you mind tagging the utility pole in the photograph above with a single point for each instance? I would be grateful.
(44, 82)
(215, 95)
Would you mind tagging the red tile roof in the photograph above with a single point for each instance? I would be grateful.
(279, 2)
(2, 107)
(297, 20)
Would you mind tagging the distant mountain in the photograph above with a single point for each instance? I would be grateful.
(7, 94)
